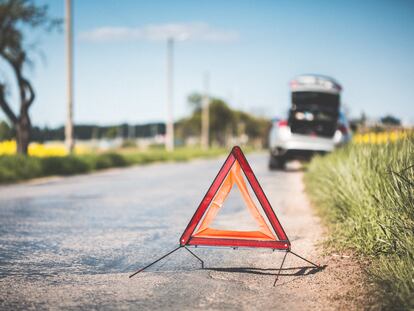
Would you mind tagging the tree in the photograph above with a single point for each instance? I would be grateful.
(16, 15)
(390, 120)
(224, 122)
(111, 132)
(5, 131)
(194, 101)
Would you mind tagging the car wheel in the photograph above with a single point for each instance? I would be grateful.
(277, 163)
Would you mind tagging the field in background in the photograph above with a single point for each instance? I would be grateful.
(14, 167)
(381, 137)
(53, 149)
(365, 192)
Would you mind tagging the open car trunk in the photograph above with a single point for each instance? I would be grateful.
(314, 113)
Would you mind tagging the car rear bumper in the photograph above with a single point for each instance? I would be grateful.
(302, 154)
(302, 147)
(296, 154)
(308, 143)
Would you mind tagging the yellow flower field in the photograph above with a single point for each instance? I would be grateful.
(57, 149)
(380, 137)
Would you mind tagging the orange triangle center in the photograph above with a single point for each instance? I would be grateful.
(235, 176)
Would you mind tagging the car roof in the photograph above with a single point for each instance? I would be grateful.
(315, 82)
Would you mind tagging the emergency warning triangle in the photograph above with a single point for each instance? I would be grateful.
(199, 232)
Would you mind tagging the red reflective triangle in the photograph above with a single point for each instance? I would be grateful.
(233, 240)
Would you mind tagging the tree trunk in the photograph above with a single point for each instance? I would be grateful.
(23, 133)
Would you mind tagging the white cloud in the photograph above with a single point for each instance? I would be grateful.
(160, 32)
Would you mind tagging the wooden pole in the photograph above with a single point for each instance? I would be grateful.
(69, 141)
(205, 119)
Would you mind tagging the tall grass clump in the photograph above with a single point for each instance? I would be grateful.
(366, 195)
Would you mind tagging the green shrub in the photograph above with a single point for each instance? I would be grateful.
(63, 166)
(107, 160)
(13, 168)
(366, 194)
(129, 143)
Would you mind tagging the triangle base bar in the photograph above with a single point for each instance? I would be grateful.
(282, 245)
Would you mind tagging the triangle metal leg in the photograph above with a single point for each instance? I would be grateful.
(314, 264)
(199, 259)
(154, 262)
(280, 269)
(283, 261)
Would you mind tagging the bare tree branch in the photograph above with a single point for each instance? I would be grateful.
(28, 92)
(6, 108)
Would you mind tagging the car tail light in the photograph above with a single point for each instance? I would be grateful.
(293, 84)
(282, 123)
(343, 129)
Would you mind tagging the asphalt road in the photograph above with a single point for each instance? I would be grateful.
(72, 242)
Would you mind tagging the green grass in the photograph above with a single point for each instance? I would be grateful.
(365, 193)
(16, 168)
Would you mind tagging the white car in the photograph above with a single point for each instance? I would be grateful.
(315, 123)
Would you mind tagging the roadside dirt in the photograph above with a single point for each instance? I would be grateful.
(341, 285)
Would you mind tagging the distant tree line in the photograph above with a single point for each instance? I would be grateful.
(225, 122)
(362, 123)
(87, 132)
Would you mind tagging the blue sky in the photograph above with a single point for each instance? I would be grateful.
(250, 48)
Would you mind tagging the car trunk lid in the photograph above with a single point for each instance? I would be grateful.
(314, 113)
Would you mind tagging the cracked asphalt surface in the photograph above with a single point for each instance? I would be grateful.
(70, 243)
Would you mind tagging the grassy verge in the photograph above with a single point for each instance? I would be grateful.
(366, 195)
(15, 168)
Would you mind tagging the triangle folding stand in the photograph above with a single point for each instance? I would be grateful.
(199, 232)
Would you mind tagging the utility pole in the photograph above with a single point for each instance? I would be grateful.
(69, 141)
(131, 131)
(169, 137)
(205, 118)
